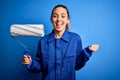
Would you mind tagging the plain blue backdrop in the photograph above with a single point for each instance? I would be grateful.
(96, 21)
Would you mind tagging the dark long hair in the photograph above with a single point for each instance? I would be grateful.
(63, 6)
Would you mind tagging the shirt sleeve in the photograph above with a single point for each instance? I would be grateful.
(35, 66)
(82, 55)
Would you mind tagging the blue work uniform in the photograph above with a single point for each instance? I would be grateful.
(58, 59)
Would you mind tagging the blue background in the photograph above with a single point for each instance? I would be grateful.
(96, 21)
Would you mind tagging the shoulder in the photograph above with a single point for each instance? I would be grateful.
(44, 38)
(75, 35)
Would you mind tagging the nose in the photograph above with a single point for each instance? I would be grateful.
(59, 18)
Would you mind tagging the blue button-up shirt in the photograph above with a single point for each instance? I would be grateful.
(58, 59)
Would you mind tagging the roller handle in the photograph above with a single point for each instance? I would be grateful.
(26, 52)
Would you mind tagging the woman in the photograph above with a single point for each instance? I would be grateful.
(59, 53)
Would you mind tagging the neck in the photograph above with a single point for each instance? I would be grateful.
(58, 34)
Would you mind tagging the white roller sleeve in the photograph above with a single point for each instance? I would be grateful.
(27, 30)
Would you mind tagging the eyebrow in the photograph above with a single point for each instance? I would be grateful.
(61, 13)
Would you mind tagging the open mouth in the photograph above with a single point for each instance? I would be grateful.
(58, 24)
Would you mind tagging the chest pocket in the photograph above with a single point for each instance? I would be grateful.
(68, 63)
(70, 53)
(68, 66)
(48, 65)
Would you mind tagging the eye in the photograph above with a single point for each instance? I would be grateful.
(54, 16)
(63, 16)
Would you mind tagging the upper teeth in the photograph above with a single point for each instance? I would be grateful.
(59, 23)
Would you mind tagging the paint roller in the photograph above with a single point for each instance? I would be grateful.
(26, 30)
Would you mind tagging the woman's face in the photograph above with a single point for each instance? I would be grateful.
(60, 19)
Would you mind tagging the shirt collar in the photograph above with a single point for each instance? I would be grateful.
(65, 36)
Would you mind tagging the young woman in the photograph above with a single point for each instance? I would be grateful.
(59, 53)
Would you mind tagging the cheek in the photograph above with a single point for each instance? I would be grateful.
(66, 20)
(53, 20)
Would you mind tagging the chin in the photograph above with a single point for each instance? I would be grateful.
(59, 30)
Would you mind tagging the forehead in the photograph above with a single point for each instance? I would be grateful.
(60, 10)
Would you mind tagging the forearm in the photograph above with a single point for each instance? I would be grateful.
(82, 58)
(35, 66)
